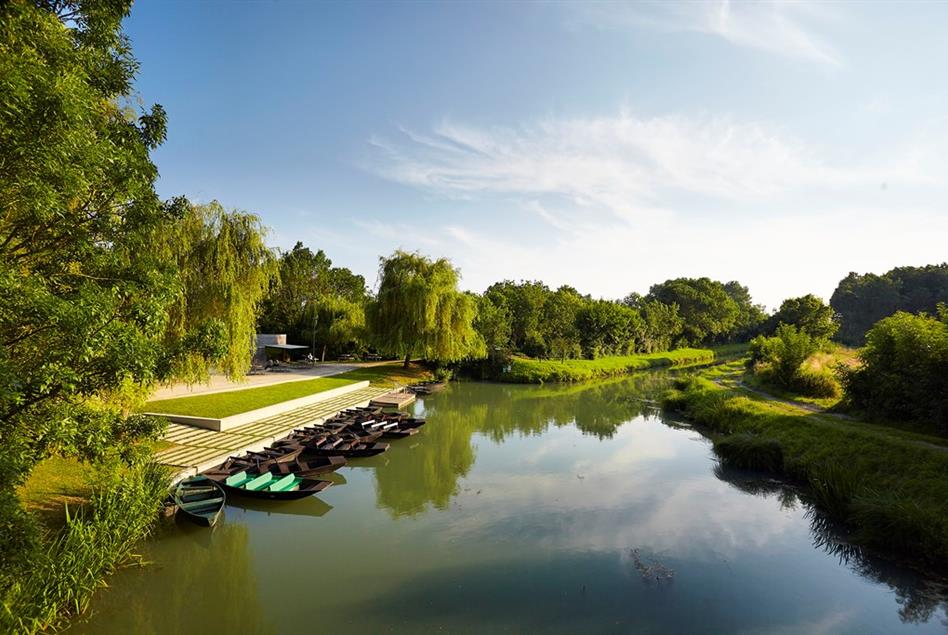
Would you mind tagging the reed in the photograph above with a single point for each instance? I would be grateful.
(94, 541)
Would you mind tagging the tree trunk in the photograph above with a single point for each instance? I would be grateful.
(407, 359)
(324, 353)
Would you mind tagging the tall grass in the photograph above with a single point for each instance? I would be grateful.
(94, 541)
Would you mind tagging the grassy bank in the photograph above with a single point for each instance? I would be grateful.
(888, 486)
(71, 562)
(524, 370)
(225, 404)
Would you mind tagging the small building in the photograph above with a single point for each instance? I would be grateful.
(285, 352)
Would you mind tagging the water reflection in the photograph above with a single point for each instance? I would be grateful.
(200, 582)
(918, 593)
(557, 509)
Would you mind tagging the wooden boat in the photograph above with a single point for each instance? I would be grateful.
(427, 387)
(308, 468)
(200, 500)
(339, 447)
(277, 453)
(267, 485)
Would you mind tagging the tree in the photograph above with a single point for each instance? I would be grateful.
(225, 270)
(339, 323)
(661, 326)
(82, 292)
(809, 314)
(418, 309)
(750, 317)
(524, 302)
(863, 300)
(784, 353)
(493, 325)
(904, 372)
(608, 328)
(704, 305)
(302, 278)
(88, 265)
(559, 322)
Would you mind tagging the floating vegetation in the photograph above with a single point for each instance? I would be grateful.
(652, 572)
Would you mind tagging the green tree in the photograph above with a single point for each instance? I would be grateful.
(809, 314)
(225, 270)
(558, 326)
(863, 300)
(661, 326)
(750, 317)
(419, 310)
(493, 323)
(608, 328)
(707, 311)
(524, 302)
(303, 277)
(904, 372)
(82, 290)
(339, 323)
(784, 353)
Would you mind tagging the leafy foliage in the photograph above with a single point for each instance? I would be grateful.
(779, 360)
(312, 301)
(863, 300)
(809, 314)
(419, 310)
(904, 371)
(708, 311)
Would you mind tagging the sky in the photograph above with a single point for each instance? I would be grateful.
(605, 146)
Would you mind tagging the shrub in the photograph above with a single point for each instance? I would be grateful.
(904, 372)
(811, 383)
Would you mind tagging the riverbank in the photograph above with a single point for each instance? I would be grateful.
(525, 370)
(887, 486)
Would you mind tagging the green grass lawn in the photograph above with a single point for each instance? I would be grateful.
(388, 374)
(225, 404)
(537, 371)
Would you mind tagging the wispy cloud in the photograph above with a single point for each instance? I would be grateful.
(622, 193)
(631, 166)
(788, 29)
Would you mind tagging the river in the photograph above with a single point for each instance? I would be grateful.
(520, 509)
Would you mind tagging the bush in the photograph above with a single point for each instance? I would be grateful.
(904, 372)
(811, 383)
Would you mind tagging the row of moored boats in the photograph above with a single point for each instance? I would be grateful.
(288, 469)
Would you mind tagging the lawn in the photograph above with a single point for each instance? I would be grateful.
(537, 371)
(388, 374)
(224, 404)
(53, 484)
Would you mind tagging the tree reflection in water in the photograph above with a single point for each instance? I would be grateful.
(918, 593)
(408, 482)
(201, 568)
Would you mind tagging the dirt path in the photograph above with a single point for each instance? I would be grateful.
(814, 409)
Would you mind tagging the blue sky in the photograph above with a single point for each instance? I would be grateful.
(606, 146)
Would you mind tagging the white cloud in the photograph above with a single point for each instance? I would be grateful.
(784, 28)
(625, 201)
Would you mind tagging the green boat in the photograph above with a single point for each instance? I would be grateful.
(200, 499)
(266, 485)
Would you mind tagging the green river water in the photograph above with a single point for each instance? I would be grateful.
(522, 509)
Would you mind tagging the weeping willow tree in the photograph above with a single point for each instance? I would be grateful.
(224, 270)
(419, 311)
(335, 323)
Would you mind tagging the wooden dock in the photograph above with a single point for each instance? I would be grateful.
(396, 399)
(194, 450)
